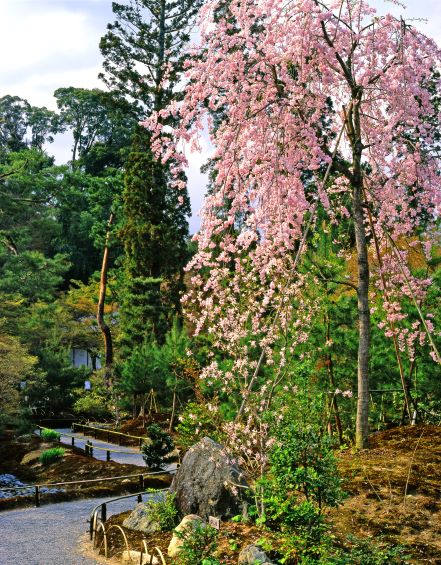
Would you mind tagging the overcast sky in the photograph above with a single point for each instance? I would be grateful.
(48, 44)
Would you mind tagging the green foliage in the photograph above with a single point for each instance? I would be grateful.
(50, 435)
(302, 480)
(143, 370)
(365, 551)
(28, 183)
(360, 551)
(35, 276)
(18, 118)
(150, 366)
(13, 123)
(156, 452)
(51, 455)
(154, 236)
(16, 366)
(152, 33)
(92, 117)
(163, 511)
(95, 402)
(18, 421)
(302, 462)
(91, 404)
(195, 422)
(199, 543)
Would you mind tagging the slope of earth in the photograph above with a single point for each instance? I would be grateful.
(394, 491)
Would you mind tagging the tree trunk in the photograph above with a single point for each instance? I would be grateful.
(172, 417)
(364, 320)
(107, 335)
(364, 316)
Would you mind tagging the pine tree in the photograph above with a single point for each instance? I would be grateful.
(148, 38)
(155, 246)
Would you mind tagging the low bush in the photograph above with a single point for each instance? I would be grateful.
(50, 435)
(156, 452)
(51, 455)
(199, 544)
(163, 511)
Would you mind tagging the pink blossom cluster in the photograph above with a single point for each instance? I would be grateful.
(271, 73)
(249, 445)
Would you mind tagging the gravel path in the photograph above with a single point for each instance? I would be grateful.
(52, 534)
(133, 457)
(56, 534)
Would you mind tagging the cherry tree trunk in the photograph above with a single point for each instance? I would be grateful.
(364, 321)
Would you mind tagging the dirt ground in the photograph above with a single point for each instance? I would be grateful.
(393, 492)
(138, 425)
(232, 537)
(20, 458)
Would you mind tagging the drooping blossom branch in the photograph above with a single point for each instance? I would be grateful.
(267, 80)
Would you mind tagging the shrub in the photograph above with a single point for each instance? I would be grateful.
(91, 404)
(367, 552)
(50, 435)
(199, 544)
(303, 462)
(156, 453)
(361, 552)
(51, 455)
(163, 511)
(302, 482)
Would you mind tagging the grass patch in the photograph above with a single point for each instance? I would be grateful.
(51, 455)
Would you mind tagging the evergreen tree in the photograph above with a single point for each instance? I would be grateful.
(154, 236)
(146, 36)
(146, 40)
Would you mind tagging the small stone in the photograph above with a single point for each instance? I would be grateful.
(253, 555)
(26, 438)
(141, 520)
(190, 521)
(135, 557)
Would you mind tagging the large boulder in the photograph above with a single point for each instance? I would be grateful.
(141, 520)
(252, 555)
(206, 483)
(189, 522)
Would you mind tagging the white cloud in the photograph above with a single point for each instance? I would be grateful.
(45, 46)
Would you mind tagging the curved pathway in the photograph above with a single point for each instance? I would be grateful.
(51, 534)
(55, 533)
(129, 455)
(121, 454)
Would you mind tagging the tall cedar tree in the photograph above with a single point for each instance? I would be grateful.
(147, 38)
(154, 236)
